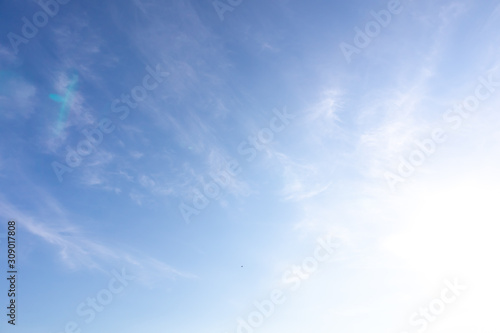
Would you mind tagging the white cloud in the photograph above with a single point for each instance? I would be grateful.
(76, 249)
(18, 97)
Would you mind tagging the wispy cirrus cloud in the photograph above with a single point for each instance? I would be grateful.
(77, 249)
(18, 97)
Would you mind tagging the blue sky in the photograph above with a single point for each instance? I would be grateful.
(202, 151)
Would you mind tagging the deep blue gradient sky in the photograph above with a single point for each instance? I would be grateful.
(208, 157)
